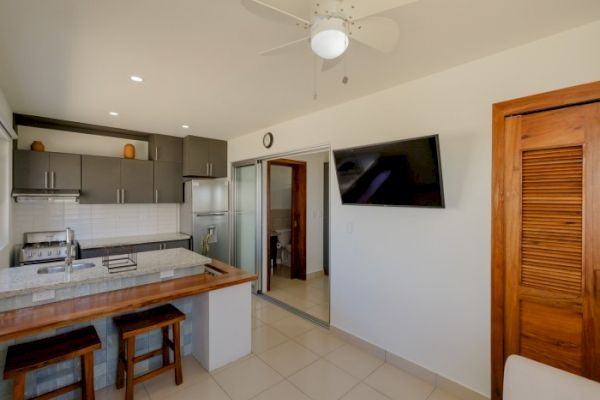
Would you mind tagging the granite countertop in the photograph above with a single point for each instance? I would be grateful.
(127, 240)
(25, 280)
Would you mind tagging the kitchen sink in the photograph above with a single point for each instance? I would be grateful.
(61, 268)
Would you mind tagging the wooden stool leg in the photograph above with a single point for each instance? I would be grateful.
(177, 352)
(165, 346)
(18, 388)
(87, 376)
(121, 364)
(130, 365)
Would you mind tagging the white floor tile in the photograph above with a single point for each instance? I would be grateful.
(246, 379)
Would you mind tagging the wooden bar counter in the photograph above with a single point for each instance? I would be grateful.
(32, 320)
(215, 297)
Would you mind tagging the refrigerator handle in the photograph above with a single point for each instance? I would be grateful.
(207, 214)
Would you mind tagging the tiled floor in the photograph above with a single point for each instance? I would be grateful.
(292, 360)
(310, 296)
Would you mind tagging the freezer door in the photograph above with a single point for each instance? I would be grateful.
(210, 195)
(213, 229)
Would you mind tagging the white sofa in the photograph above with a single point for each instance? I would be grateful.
(525, 379)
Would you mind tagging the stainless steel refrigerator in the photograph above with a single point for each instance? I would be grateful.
(205, 216)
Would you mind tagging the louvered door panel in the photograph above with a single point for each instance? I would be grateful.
(548, 243)
(551, 244)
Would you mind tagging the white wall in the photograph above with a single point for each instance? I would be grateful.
(417, 281)
(5, 201)
(281, 188)
(78, 143)
(5, 185)
(95, 221)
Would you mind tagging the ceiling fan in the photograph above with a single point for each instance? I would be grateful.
(332, 24)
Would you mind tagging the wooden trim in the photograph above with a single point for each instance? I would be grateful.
(32, 320)
(79, 127)
(580, 94)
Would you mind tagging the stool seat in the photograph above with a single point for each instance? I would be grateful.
(26, 357)
(134, 324)
(139, 322)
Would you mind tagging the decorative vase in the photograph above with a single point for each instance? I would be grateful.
(37, 146)
(129, 151)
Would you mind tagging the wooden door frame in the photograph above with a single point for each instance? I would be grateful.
(298, 237)
(561, 98)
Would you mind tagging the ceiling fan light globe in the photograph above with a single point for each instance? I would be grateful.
(329, 44)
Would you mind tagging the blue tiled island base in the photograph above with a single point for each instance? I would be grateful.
(105, 359)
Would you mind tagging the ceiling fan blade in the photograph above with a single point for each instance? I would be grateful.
(284, 47)
(282, 11)
(326, 65)
(366, 8)
(377, 32)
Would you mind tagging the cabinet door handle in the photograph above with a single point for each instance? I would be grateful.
(46, 179)
(53, 180)
(118, 196)
(156, 195)
(156, 153)
(123, 196)
(211, 169)
(207, 170)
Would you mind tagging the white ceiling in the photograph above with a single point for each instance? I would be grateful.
(71, 59)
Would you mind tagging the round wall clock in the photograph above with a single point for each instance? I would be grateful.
(268, 140)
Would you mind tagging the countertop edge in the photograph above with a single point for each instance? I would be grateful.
(31, 320)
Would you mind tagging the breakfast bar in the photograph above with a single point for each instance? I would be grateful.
(215, 297)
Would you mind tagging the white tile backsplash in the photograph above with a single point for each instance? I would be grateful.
(95, 221)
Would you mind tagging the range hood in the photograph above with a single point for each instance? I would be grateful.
(46, 195)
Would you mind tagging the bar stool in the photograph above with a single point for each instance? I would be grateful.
(131, 325)
(26, 357)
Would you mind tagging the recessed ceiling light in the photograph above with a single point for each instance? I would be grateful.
(136, 78)
(185, 126)
(113, 113)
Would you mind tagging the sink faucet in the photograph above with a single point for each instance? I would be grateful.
(69, 241)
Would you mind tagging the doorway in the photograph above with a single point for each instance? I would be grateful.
(286, 219)
(305, 289)
(297, 233)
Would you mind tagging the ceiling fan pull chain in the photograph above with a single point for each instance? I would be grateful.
(345, 79)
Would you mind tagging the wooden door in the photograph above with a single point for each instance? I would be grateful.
(65, 170)
(137, 181)
(552, 192)
(298, 267)
(31, 170)
(100, 180)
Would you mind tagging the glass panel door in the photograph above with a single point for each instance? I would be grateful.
(246, 219)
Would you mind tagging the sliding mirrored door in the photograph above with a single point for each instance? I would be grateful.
(246, 218)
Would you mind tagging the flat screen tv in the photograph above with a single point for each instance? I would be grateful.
(400, 173)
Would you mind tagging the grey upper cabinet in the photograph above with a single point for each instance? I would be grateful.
(65, 171)
(166, 148)
(195, 156)
(204, 157)
(168, 183)
(41, 170)
(137, 181)
(31, 170)
(100, 180)
(218, 158)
